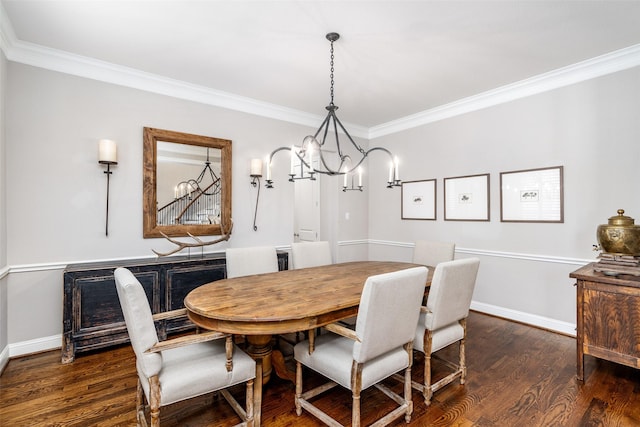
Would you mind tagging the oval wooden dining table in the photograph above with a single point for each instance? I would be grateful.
(260, 306)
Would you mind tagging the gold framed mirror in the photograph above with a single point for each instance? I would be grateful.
(186, 184)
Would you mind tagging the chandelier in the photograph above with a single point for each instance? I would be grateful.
(314, 156)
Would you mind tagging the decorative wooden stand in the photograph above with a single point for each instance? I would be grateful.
(612, 265)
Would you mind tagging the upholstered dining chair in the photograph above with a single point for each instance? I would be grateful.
(310, 254)
(380, 346)
(443, 321)
(251, 260)
(181, 368)
(432, 253)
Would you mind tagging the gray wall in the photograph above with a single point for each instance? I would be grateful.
(590, 128)
(56, 189)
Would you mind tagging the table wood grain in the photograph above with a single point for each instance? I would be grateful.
(285, 301)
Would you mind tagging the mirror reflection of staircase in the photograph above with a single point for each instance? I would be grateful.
(193, 206)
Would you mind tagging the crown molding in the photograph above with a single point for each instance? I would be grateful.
(56, 60)
(81, 66)
(609, 63)
(51, 59)
(7, 35)
(64, 62)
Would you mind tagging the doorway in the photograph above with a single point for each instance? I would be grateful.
(306, 222)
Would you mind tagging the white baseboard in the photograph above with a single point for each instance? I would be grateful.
(37, 345)
(54, 342)
(527, 318)
(4, 358)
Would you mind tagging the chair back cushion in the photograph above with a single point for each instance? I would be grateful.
(451, 291)
(388, 312)
(433, 253)
(139, 321)
(310, 254)
(252, 260)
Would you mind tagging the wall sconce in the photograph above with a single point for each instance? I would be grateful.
(107, 156)
(256, 174)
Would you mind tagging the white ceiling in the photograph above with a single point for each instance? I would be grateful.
(394, 58)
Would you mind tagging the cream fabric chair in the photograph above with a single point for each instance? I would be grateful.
(380, 346)
(251, 260)
(433, 253)
(444, 319)
(182, 368)
(310, 254)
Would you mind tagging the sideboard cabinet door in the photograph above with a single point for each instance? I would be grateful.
(183, 279)
(611, 317)
(608, 315)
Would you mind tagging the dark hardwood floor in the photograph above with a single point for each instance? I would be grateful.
(518, 376)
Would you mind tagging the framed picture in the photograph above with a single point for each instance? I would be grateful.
(533, 195)
(466, 198)
(419, 199)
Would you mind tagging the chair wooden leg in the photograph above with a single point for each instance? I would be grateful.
(154, 400)
(356, 389)
(463, 357)
(298, 388)
(249, 404)
(407, 384)
(257, 395)
(426, 391)
(355, 411)
(140, 417)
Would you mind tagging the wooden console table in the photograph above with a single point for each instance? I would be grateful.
(608, 315)
(92, 318)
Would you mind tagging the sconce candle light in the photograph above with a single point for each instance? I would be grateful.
(255, 174)
(256, 167)
(107, 155)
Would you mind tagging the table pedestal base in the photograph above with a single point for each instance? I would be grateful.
(260, 348)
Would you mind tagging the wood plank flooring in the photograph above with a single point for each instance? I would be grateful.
(518, 376)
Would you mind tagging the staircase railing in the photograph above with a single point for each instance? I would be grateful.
(197, 207)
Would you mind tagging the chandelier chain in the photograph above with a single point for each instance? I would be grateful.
(331, 76)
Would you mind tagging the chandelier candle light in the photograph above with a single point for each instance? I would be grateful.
(313, 148)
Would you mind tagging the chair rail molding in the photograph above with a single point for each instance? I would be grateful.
(4, 272)
(54, 342)
(482, 252)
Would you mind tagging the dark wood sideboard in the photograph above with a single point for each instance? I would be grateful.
(92, 318)
(608, 317)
